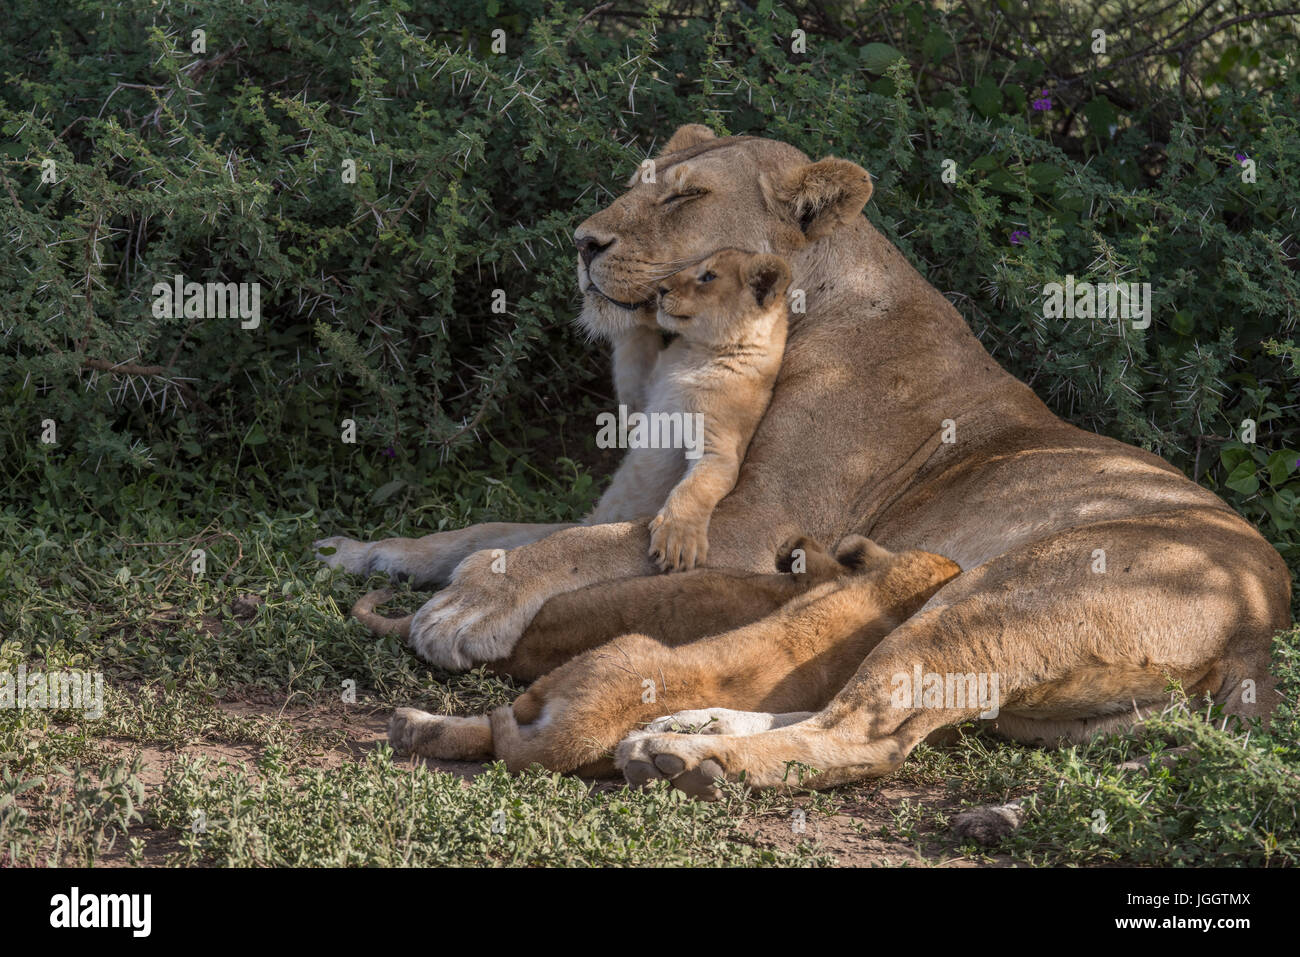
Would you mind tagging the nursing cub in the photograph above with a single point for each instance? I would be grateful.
(788, 665)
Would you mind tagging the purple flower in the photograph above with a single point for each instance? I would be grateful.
(1241, 158)
(390, 453)
(1043, 102)
(1019, 236)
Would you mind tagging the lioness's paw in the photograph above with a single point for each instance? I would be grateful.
(678, 544)
(713, 721)
(345, 553)
(407, 727)
(476, 618)
(685, 722)
(683, 760)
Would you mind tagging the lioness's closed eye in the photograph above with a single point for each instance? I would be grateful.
(729, 314)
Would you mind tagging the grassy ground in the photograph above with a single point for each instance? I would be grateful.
(230, 737)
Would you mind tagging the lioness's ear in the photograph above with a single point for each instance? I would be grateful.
(692, 134)
(767, 277)
(821, 196)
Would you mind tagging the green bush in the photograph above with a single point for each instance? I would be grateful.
(474, 166)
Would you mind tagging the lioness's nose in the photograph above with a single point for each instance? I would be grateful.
(589, 247)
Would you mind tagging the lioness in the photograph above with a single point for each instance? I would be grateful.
(571, 719)
(728, 315)
(889, 419)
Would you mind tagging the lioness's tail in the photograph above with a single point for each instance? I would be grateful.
(364, 611)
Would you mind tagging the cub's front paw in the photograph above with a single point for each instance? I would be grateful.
(678, 544)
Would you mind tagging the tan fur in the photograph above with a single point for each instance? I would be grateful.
(729, 316)
(874, 373)
(672, 610)
(572, 718)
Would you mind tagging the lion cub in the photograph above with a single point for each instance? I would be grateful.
(729, 316)
(573, 717)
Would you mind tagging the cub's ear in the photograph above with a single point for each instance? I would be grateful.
(692, 134)
(938, 568)
(858, 553)
(821, 196)
(785, 557)
(767, 277)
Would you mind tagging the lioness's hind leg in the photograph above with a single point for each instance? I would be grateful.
(440, 735)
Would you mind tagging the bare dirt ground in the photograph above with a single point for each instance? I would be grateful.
(857, 835)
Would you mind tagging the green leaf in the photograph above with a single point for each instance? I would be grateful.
(1004, 182)
(1030, 69)
(387, 491)
(1283, 509)
(1281, 464)
(1243, 479)
(255, 436)
(986, 97)
(878, 57)
(1044, 174)
(936, 46)
(1231, 455)
(1101, 115)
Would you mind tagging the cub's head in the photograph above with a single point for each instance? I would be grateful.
(702, 193)
(723, 295)
(902, 581)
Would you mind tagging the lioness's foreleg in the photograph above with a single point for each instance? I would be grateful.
(671, 609)
(480, 615)
(430, 559)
